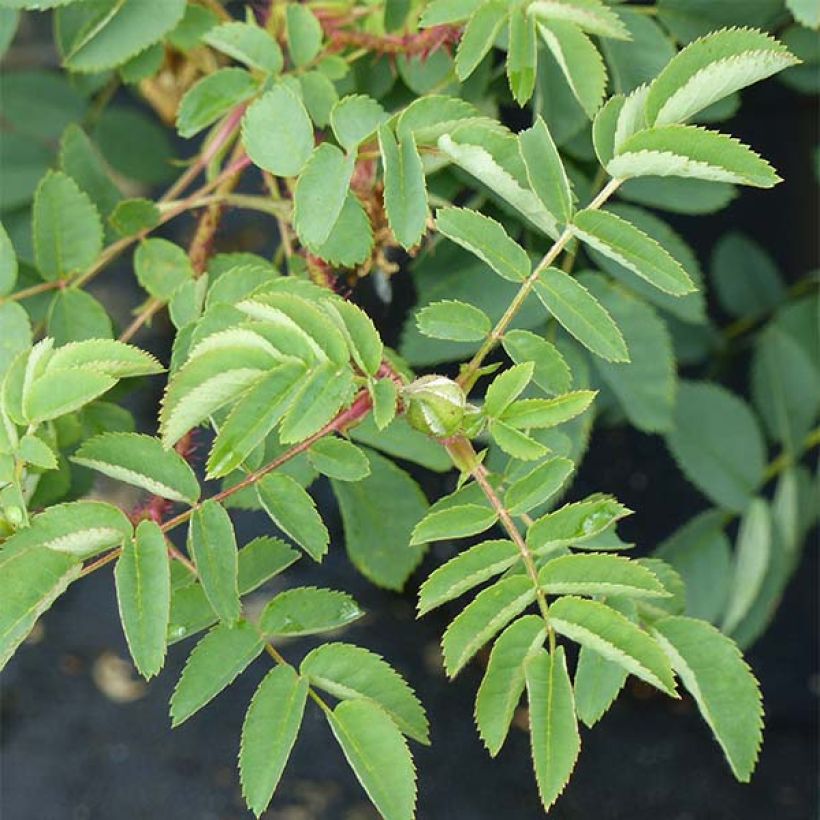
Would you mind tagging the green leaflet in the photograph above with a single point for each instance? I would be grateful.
(711, 68)
(304, 34)
(727, 694)
(268, 733)
(80, 529)
(323, 394)
(400, 440)
(599, 575)
(161, 267)
(486, 239)
(106, 356)
(579, 61)
(125, 28)
(143, 582)
(33, 577)
(247, 43)
(66, 227)
(553, 728)
(503, 682)
(355, 118)
(491, 610)
(542, 413)
(545, 171)
(253, 417)
(620, 240)
(752, 557)
(439, 12)
(212, 545)
(142, 461)
(8, 263)
(378, 754)
(522, 54)
(35, 451)
(609, 633)
(214, 95)
(551, 372)
(592, 16)
(597, 683)
(573, 524)
(81, 160)
(456, 522)
(362, 338)
(538, 485)
(338, 458)
(62, 391)
(277, 132)
(75, 315)
(351, 240)
(464, 572)
(215, 662)
(717, 443)
(348, 672)
(580, 314)
(515, 443)
(405, 189)
(689, 151)
(506, 387)
(384, 395)
(308, 611)
(479, 35)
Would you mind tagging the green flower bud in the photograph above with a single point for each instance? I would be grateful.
(435, 405)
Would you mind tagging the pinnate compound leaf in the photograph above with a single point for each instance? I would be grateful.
(212, 545)
(464, 572)
(348, 672)
(612, 635)
(599, 575)
(33, 577)
(215, 662)
(581, 314)
(503, 682)
(479, 35)
(717, 443)
(143, 581)
(214, 95)
(491, 610)
(66, 227)
(80, 529)
(294, 512)
(622, 241)
(268, 733)
(405, 188)
(554, 734)
(142, 461)
(277, 132)
(308, 611)
(711, 68)
(378, 754)
(714, 672)
(456, 522)
(247, 43)
(691, 152)
(545, 170)
(486, 239)
(355, 118)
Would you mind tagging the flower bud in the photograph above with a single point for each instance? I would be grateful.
(435, 405)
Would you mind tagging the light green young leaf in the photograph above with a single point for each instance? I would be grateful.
(620, 240)
(506, 387)
(692, 152)
(349, 672)
(361, 335)
(538, 485)
(456, 522)
(553, 727)
(503, 682)
(80, 529)
(308, 611)
(612, 635)
(161, 267)
(545, 170)
(543, 413)
(60, 392)
(143, 581)
(717, 444)
(378, 754)
(551, 372)
(599, 575)
(247, 43)
(35, 451)
(355, 118)
(304, 33)
(294, 512)
(491, 610)
(405, 188)
(751, 561)
(142, 461)
(215, 662)
(384, 394)
(450, 319)
(268, 733)
(66, 227)
(212, 545)
(727, 694)
(214, 95)
(711, 68)
(467, 570)
(592, 16)
(522, 54)
(338, 458)
(579, 61)
(105, 356)
(277, 132)
(515, 443)
(479, 35)
(604, 127)
(581, 315)
(486, 239)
